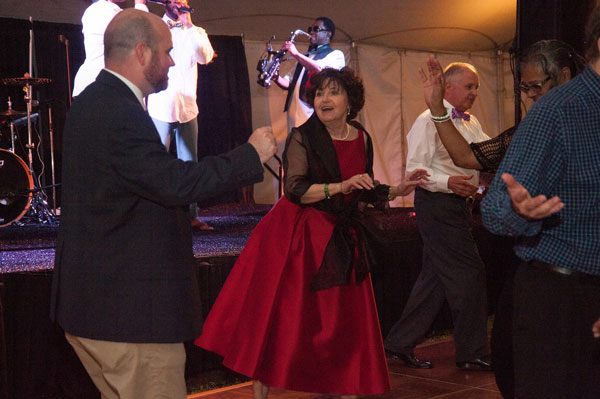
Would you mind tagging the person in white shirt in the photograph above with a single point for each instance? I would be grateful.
(320, 55)
(174, 110)
(95, 19)
(451, 268)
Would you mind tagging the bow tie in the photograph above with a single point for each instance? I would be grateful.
(177, 24)
(456, 114)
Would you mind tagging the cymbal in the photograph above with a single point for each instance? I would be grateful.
(11, 114)
(25, 81)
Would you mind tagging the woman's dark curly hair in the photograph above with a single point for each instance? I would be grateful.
(346, 79)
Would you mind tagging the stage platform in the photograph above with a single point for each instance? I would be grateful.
(29, 247)
(36, 361)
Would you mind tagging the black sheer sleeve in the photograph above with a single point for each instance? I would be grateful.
(489, 153)
(295, 166)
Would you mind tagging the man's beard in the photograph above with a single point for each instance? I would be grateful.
(154, 75)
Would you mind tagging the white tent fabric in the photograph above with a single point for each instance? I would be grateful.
(394, 99)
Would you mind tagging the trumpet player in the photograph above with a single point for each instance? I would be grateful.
(174, 110)
(320, 55)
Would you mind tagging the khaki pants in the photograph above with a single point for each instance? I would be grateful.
(123, 370)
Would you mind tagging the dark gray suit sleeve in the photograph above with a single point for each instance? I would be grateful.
(145, 167)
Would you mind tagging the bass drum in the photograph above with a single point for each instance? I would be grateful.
(16, 184)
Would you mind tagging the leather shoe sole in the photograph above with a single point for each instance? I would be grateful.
(409, 360)
(479, 364)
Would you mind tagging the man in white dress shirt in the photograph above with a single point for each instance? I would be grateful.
(95, 20)
(174, 110)
(451, 269)
(320, 55)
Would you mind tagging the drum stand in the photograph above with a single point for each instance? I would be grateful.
(38, 210)
(12, 136)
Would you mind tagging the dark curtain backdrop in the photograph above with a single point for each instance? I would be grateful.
(225, 119)
(50, 61)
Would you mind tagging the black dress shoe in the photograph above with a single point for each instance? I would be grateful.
(483, 363)
(410, 360)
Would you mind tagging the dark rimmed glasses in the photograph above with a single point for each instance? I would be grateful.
(536, 88)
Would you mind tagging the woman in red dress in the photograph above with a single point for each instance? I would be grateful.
(297, 310)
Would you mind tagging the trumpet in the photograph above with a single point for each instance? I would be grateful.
(268, 65)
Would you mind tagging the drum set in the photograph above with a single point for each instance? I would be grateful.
(20, 193)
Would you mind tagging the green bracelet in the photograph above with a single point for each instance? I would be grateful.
(326, 189)
(441, 118)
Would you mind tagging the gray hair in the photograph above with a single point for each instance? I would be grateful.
(457, 68)
(552, 56)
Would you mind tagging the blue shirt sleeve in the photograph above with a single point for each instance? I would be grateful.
(535, 158)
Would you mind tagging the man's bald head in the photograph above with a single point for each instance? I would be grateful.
(137, 46)
(126, 30)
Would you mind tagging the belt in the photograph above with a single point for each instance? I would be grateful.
(447, 195)
(563, 271)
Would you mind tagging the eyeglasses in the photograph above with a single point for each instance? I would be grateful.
(316, 29)
(535, 88)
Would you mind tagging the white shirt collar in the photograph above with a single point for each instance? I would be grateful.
(448, 105)
(136, 90)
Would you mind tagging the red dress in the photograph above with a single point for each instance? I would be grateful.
(269, 325)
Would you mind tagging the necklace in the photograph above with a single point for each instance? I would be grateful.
(346, 136)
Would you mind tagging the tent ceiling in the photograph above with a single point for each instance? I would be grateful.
(451, 25)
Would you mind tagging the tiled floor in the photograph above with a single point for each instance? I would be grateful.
(444, 381)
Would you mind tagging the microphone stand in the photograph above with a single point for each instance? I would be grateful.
(51, 133)
(278, 175)
(12, 129)
(64, 40)
(39, 206)
(28, 89)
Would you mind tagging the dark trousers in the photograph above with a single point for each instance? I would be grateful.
(555, 354)
(452, 270)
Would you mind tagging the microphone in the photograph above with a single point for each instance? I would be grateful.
(181, 8)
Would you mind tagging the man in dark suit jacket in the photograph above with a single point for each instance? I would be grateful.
(123, 287)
